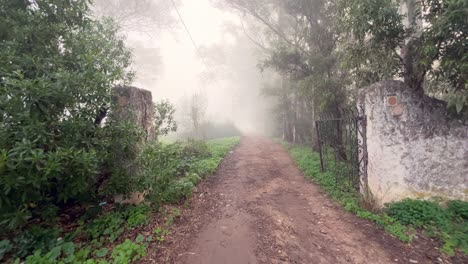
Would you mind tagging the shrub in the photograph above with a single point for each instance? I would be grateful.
(52, 149)
(178, 190)
(418, 213)
(458, 209)
(195, 149)
(193, 178)
(205, 167)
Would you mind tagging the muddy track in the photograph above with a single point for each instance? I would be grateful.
(259, 208)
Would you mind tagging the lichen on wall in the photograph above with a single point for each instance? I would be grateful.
(415, 149)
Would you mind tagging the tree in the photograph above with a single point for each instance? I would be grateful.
(193, 113)
(301, 47)
(420, 41)
(57, 70)
(136, 15)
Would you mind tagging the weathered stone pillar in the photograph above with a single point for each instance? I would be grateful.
(134, 105)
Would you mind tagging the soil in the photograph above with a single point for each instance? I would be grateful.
(259, 208)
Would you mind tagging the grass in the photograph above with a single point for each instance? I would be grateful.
(401, 219)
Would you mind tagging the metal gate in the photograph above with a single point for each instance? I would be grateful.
(342, 144)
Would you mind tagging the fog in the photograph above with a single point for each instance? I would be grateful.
(220, 63)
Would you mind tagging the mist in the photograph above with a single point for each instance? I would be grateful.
(211, 56)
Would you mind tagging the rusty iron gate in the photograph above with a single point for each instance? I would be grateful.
(342, 144)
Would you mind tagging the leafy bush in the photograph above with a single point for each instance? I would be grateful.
(205, 167)
(458, 209)
(178, 190)
(195, 149)
(418, 213)
(52, 149)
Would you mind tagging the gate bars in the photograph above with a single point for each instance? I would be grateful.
(342, 145)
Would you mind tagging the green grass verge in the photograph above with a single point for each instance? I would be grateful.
(400, 219)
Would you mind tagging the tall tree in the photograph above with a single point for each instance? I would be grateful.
(420, 41)
(301, 47)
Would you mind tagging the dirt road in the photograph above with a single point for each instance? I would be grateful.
(259, 208)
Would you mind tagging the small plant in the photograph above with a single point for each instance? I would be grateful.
(5, 247)
(175, 212)
(110, 225)
(160, 234)
(63, 252)
(128, 252)
(399, 231)
(34, 239)
(138, 215)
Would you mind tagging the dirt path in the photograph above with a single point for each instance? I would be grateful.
(259, 208)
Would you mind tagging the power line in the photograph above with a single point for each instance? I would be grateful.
(188, 33)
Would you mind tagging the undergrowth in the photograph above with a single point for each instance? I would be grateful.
(400, 219)
(172, 170)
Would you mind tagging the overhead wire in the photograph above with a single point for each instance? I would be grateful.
(197, 50)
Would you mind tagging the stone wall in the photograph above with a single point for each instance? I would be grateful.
(414, 148)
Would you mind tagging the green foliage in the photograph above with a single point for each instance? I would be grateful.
(178, 190)
(192, 149)
(138, 216)
(110, 226)
(5, 247)
(377, 44)
(221, 146)
(35, 238)
(399, 231)
(372, 58)
(161, 234)
(128, 252)
(168, 166)
(458, 209)
(60, 71)
(100, 253)
(65, 252)
(171, 170)
(206, 166)
(309, 162)
(398, 219)
(164, 121)
(418, 213)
